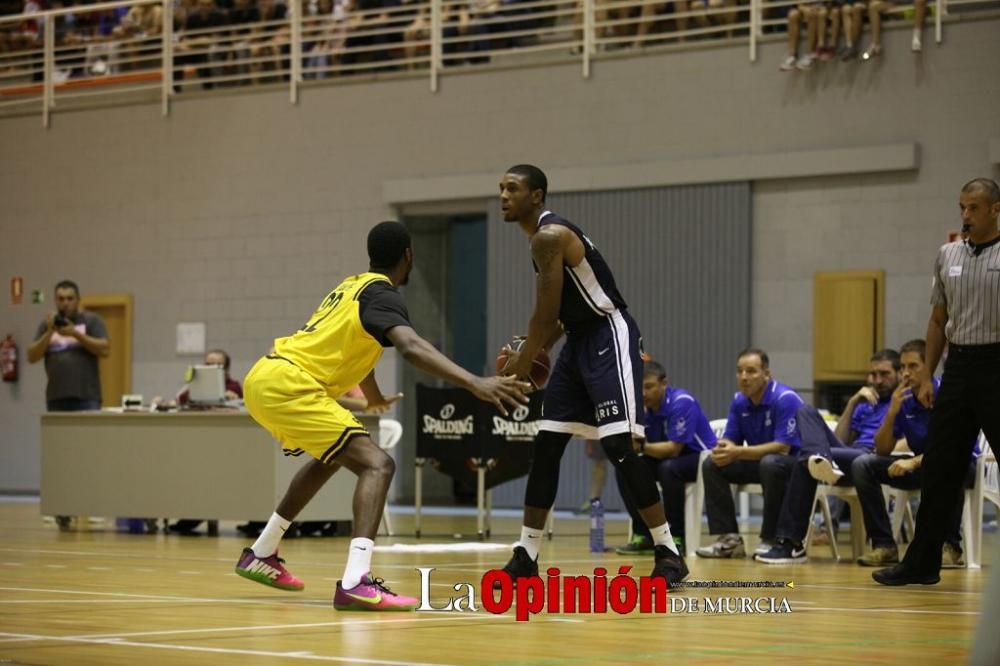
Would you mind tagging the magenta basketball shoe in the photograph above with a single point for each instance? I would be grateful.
(267, 570)
(371, 594)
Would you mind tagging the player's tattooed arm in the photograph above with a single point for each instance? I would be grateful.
(547, 248)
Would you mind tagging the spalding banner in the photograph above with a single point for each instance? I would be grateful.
(460, 433)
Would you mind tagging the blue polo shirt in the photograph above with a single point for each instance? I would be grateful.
(773, 420)
(866, 419)
(913, 422)
(680, 419)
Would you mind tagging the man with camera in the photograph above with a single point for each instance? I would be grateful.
(70, 340)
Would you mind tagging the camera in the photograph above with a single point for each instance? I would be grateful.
(59, 320)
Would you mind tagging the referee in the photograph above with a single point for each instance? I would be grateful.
(966, 312)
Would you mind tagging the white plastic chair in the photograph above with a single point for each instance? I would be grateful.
(972, 512)
(390, 432)
(849, 495)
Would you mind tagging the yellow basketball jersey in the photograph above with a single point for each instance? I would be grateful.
(334, 346)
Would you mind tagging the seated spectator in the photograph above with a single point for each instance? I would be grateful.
(369, 34)
(907, 419)
(713, 17)
(827, 456)
(242, 13)
(677, 431)
(807, 14)
(199, 48)
(141, 29)
(875, 11)
(466, 19)
(269, 41)
(762, 416)
(852, 14)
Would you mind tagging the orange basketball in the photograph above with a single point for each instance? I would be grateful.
(540, 367)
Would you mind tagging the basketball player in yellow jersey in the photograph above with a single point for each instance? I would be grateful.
(292, 393)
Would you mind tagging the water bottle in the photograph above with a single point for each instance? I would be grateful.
(596, 526)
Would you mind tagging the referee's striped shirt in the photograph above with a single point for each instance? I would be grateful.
(967, 285)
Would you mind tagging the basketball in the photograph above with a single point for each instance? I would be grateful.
(540, 367)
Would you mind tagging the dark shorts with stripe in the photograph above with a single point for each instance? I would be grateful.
(596, 385)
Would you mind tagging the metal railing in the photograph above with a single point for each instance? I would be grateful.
(150, 49)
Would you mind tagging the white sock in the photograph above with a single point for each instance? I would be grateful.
(662, 537)
(359, 562)
(530, 538)
(266, 544)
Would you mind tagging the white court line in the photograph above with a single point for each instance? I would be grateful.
(189, 573)
(923, 589)
(211, 650)
(55, 566)
(99, 568)
(164, 597)
(911, 611)
(441, 617)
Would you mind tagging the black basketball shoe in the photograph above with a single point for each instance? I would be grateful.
(669, 565)
(520, 566)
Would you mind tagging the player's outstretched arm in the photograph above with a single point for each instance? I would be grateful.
(422, 355)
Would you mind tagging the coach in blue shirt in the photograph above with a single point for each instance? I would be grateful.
(677, 431)
(827, 456)
(906, 418)
(763, 416)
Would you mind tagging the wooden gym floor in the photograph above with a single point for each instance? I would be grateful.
(99, 597)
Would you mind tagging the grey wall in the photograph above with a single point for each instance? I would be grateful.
(241, 210)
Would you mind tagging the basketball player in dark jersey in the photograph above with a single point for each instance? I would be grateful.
(595, 391)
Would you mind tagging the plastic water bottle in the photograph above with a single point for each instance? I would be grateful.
(596, 526)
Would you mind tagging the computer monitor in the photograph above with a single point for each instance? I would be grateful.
(207, 385)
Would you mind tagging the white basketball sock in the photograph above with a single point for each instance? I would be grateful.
(530, 538)
(359, 562)
(266, 544)
(662, 537)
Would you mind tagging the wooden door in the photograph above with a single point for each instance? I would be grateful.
(116, 368)
(849, 312)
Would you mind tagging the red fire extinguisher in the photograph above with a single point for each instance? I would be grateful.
(8, 359)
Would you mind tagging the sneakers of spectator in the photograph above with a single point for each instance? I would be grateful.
(804, 62)
(880, 556)
(826, 53)
(726, 546)
(764, 547)
(915, 44)
(872, 51)
(784, 552)
(788, 64)
(952, 556)
(639, 545)
(849, 52)
(824, 469)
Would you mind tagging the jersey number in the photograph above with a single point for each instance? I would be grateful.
(329, 303)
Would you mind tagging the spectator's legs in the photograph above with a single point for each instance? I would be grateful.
(875, 10)
(702, 19)
(776, 472)
(719, 495)
(919, 14)
(870, 472)
(648, 19)
(681, 22)
(794, 20)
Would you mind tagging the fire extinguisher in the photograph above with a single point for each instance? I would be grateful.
(8, 359)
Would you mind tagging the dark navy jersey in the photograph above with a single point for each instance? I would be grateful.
(589, 293)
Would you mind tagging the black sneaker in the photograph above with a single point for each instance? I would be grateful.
(784, 552)
(901, 575)
(520, 566)
(669, 565)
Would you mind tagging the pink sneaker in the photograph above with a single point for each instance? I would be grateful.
(371, 594)
(267, 570)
